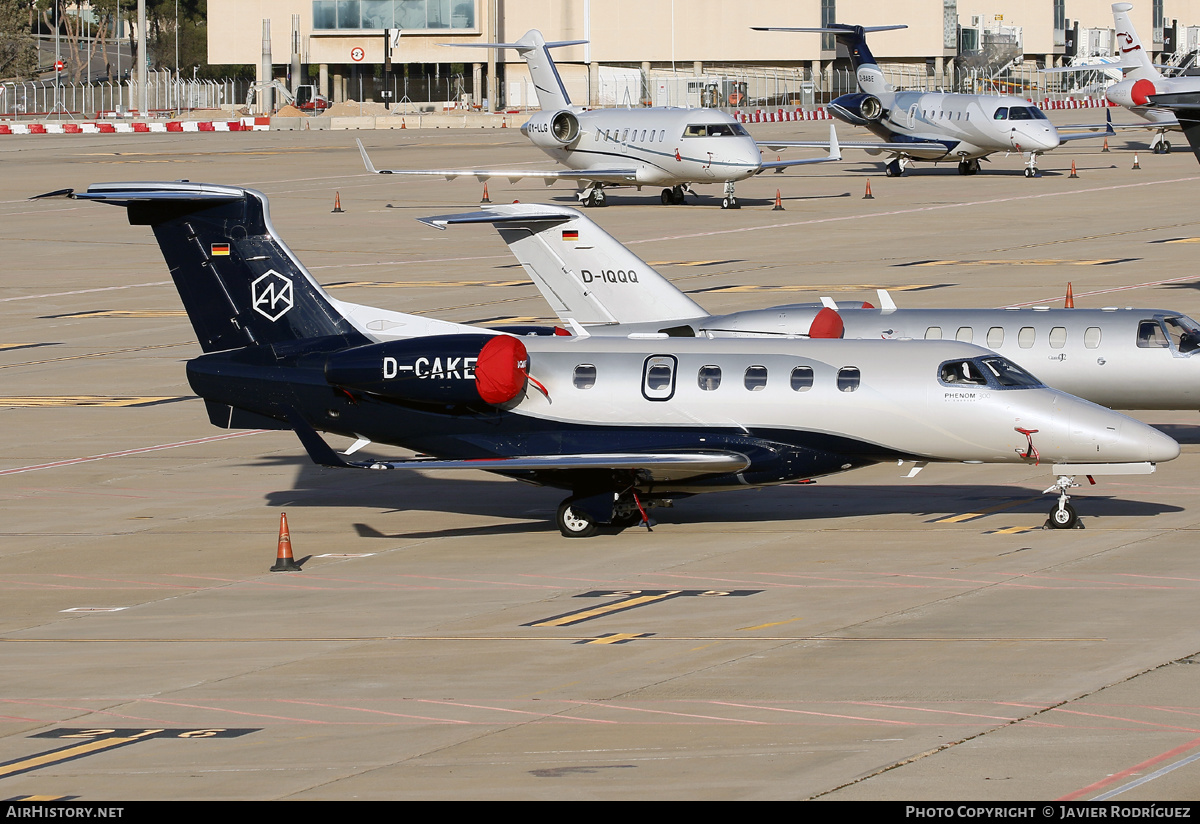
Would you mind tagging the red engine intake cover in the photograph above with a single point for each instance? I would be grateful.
(827, 324)
(1142, 89)
(501, 369)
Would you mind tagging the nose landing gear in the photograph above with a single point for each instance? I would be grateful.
(1063, 515)
(729, 201)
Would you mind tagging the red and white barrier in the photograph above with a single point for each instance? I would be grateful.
(257, 123)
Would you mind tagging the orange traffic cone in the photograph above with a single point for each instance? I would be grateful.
(778, 169)
(402, 126)
(284, 562)
(1105, 149)
(486, 199)
(778, 202)
(1069, 303)
(1073, 172)
(1135, 161)
(337, 203)
(868, 195)
(504, 123)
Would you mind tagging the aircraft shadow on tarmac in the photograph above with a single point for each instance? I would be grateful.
(533, 507)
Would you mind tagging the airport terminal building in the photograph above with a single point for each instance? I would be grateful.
(665, 52)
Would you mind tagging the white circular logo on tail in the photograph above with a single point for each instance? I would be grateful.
(271, 295)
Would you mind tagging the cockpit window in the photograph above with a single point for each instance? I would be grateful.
(714, 130)
(989, 370)
(1150, 335)
(1184, 333)
(1008, 374)
(962, 372)
(1001, 113)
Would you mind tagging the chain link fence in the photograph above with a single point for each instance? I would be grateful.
(165, 93)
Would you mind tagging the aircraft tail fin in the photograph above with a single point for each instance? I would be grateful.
(240, 284)
(582, 271)
(867, 72)
(533, 48)
(1135, 59)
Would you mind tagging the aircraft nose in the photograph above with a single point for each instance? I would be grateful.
(1159, 447)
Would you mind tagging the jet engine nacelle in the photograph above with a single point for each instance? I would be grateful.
(1129, 93)
(449, 369)
(552, 129)
(858, 109)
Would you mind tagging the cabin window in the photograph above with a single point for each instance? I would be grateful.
(658, 378)
(709, 377)
(962, 372)
(756, 378)
(802, 378)
(848, 378)
(995, 337)
(643, 140)
(1001, 113)
(585, 376)
(1026, 337)
(662, 135)
(625, 136)
(1058, 337)
(933, 333)
(1091, 337)
(1151, 336)
(965, 334)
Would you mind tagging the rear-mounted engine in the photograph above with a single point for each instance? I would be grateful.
(454, 369)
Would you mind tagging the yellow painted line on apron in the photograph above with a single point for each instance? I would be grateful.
(70, 752)
(61, 401)
(587, 614)
(424, 284)
(966, 516)
(792, 287)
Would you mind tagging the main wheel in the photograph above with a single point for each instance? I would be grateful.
(1063, 517)
(893, 169)
(574, 523)
(600, 197)
(678, 196)
(724, 203)
(1166, 147)
(964, 168)
(666, 197)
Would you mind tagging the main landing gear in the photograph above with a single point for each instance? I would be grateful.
(674, 197)
(1063, 516)
(894, 168)
(581, 516)
(968, 167)
(593, 196)
(1160, 144)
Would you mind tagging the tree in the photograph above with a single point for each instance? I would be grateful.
(82, 37)
(18, 48)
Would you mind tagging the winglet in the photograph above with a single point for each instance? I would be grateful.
(366, 159)
(835, 148)
(885, 301)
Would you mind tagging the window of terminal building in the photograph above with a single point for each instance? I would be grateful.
(410, 15)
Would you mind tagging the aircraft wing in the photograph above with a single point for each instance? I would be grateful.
(663, 465)
(513, 175)
(871, 147)
(835, 153)
(1107, 132)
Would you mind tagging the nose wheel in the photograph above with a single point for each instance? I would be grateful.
(729, 201)
(1031, 169)
(1063, 515)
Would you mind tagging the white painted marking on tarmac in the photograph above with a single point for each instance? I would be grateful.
(86, 291)
(1147, 778)
(126, 452)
